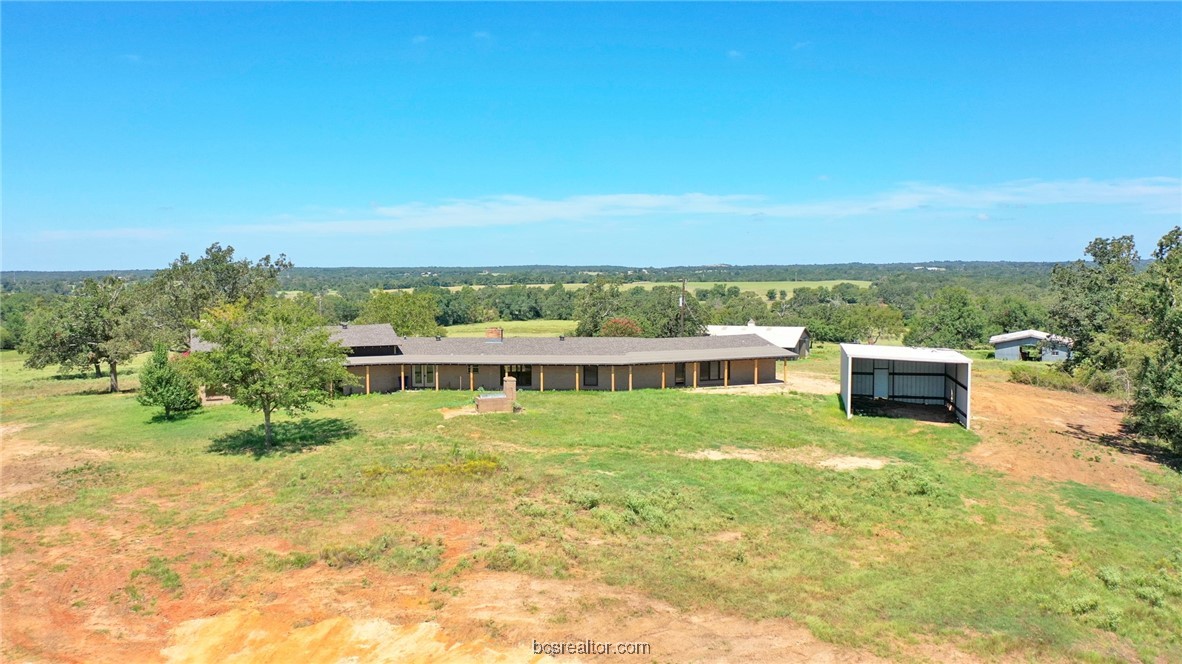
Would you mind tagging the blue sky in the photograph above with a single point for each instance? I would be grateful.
(635, 134)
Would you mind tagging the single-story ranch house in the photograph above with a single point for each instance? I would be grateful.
(386, 362)
(1031, 345)
(795, 339)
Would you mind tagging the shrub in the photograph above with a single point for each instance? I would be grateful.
(1038, 376)
(163, 385)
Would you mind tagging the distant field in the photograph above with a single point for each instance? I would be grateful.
(516, 328)
(758, 287)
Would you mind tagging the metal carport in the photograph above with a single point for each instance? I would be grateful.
(924, 376)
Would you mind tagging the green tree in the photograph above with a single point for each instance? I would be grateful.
(740, 309)
(1100, 305)
(869, 323)
(661, 312)
(101, 323)
(950, 319)
(558, 303)
(178, 295)
(1157, 409)
(410, 314)
(595, 304)
(163, 384)
(269, 356)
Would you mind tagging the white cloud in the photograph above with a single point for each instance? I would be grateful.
(1152, 195)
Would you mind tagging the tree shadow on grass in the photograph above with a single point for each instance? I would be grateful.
(161, 418)
(288, 437)
(1127, 442)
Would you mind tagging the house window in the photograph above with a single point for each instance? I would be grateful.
(424, 375)
(679, 373)
(474, 368)
(524, 373)
(590, 376)
(711, 371)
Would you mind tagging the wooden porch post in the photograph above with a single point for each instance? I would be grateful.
(541, 378)
(726, 373)
(756, 371)
(629, 377)
(367, 379)
(576, 378)
(471, 379)
(436, 377)
(402, 377)
(696, 365)
(662, 375)
(613, 378)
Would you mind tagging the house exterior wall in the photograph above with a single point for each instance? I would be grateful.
(385, 378)
(1011, 350)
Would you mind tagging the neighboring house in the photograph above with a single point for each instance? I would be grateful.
(385, 362)
(795, 339)
(1031, 345)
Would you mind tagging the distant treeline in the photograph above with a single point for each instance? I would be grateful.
(321, 279)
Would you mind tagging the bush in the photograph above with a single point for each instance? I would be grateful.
(1038, 376)
(162, 384)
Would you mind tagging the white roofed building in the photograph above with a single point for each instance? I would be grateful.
(795, 339)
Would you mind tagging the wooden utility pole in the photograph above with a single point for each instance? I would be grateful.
(681, 311)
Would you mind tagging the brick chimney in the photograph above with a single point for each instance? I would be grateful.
(510, 388)
(495, 333)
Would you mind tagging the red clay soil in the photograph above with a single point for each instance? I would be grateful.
(68, 600)
(1028, 432)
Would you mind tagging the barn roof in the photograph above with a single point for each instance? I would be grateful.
(1037, 335)
(904, 353)
(782, 336)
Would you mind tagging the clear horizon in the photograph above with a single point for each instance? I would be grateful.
(638, 135)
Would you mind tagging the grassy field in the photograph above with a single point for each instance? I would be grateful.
(931, 549)
(758, 287)
(516, 328)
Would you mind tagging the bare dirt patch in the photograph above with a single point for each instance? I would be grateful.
(1029, 432)
(449, 413)
(809, 456)
(70, 599)
(808, 383)
(276, 635)
(26, 465)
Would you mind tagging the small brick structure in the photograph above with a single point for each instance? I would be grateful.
(498, 402)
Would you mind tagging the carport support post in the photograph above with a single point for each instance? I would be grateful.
(436, 377)
(968, 397)
(541, 378)
(402, 377)
(756, 381)
(613, 378)
(471, 379)
(662, 376)
(629, 377)
(577, 381)
(696, 366)
(367, 379)
(726, 373)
